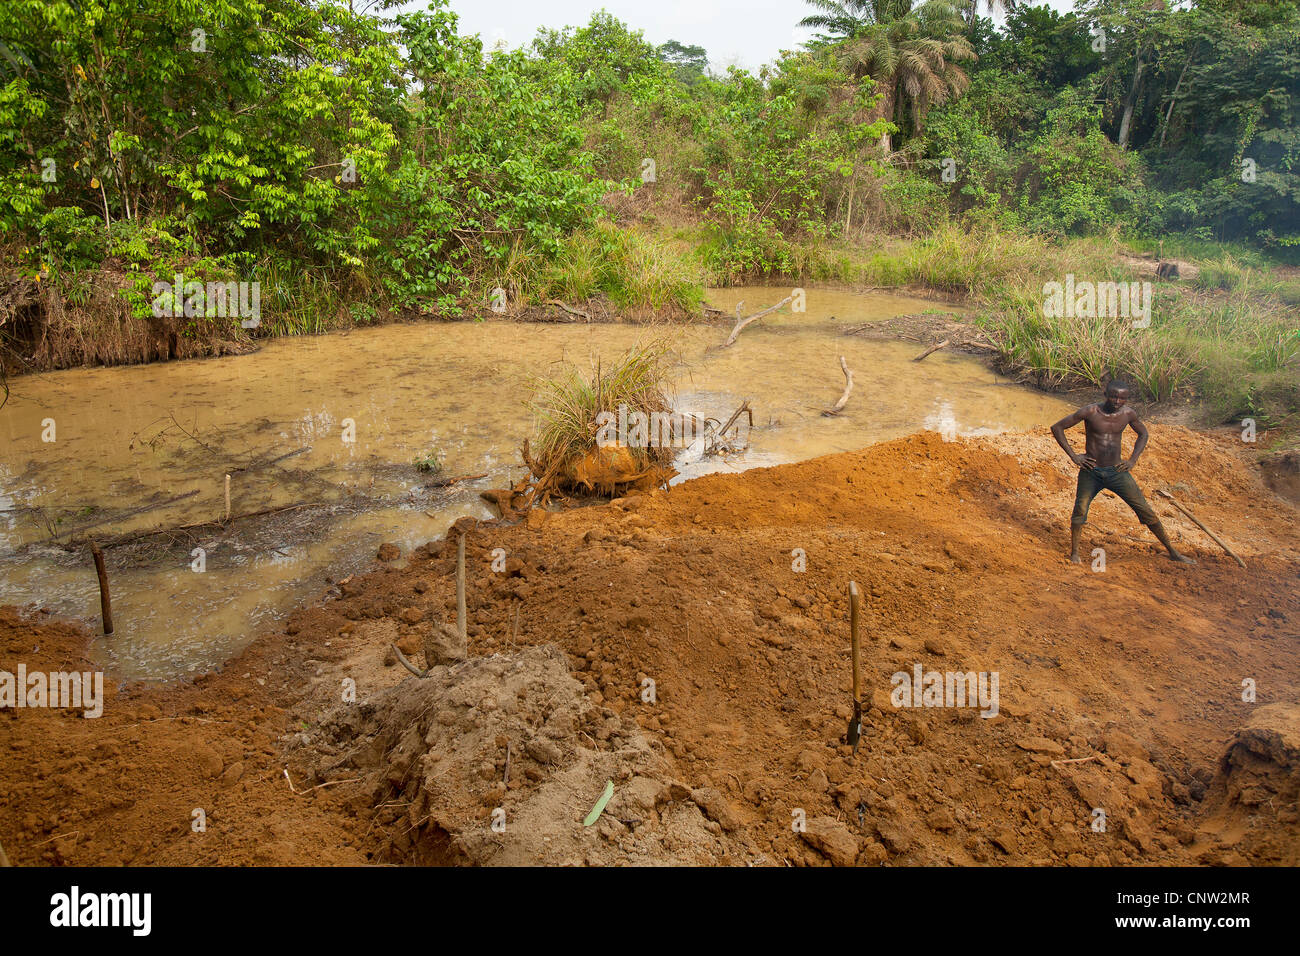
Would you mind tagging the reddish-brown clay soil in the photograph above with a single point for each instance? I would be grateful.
(699, 660)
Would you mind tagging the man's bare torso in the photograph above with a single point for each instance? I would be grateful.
(1104, 432)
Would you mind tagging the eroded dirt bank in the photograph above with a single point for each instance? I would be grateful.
(1119, 690)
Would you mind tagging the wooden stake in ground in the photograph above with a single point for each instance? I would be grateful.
(105, 599)
(741, 323)
(1197, 521)
(848, 387)
(460, 593)
(854, 734)
(933, 348)
(227, 497)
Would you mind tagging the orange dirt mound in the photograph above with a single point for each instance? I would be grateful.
(1119, 690)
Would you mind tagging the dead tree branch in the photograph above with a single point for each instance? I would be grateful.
(848, 387)
(741, 323)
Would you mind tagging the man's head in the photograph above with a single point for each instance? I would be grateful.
(1117, 393)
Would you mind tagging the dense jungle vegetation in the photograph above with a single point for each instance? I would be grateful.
(364, 166)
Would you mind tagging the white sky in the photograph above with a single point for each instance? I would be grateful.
(747, 33)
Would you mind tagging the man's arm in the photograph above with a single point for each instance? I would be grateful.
(1141, 443)
(1058, 432)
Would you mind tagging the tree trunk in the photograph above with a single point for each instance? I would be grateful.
(1173, 99)
(1126, 123)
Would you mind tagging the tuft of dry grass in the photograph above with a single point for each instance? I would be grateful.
(567, 405)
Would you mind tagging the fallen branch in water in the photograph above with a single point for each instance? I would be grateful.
(719, 443)
(848, 387)
(933, 348)
(444, 482)
(259, 464)
(125, 514)
(218, 524)
(741, 323)
(744, 409)
(577, 312)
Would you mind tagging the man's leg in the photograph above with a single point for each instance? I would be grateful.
(1084, 492)
(1126, 486)
(1158, 530)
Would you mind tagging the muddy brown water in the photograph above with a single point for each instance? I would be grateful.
(128, 437)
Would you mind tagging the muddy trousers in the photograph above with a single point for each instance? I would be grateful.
(1093, 481)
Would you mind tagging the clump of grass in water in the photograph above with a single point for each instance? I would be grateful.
(430, 461)
(566, 406)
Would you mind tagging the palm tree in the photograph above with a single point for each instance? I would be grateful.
(970, 8)
(912, 56)
(841, 21)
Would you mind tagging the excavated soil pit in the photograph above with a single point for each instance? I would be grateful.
(1120, 690)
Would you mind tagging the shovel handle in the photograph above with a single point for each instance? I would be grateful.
(853, 631)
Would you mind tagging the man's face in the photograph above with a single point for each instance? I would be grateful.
(1117, 398)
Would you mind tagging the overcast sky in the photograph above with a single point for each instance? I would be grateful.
(745, 32)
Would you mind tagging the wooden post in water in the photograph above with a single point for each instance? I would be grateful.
(460, 594)
(105, 599)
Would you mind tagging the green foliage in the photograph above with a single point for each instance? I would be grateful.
(1074, 180)
(359, 167)
(913, 53)
(637, 274)
(600, 59)
(689, 62)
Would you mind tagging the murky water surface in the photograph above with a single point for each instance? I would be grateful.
(134, 438)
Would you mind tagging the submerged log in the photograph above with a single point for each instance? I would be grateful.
(848, 388)
(933, 348)
(445, 482)
(577, 312)
(127, 514)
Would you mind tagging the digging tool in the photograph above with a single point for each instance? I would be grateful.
(460, 594)
(1197, 521)
(855, 722)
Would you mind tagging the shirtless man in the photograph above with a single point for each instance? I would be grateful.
(1100, 466)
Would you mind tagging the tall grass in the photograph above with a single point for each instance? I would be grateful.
(296, 301)
(1220, 346)
(641, 275)
(566, 406)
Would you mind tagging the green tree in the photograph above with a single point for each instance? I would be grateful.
(913, 58)
(688, 62)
